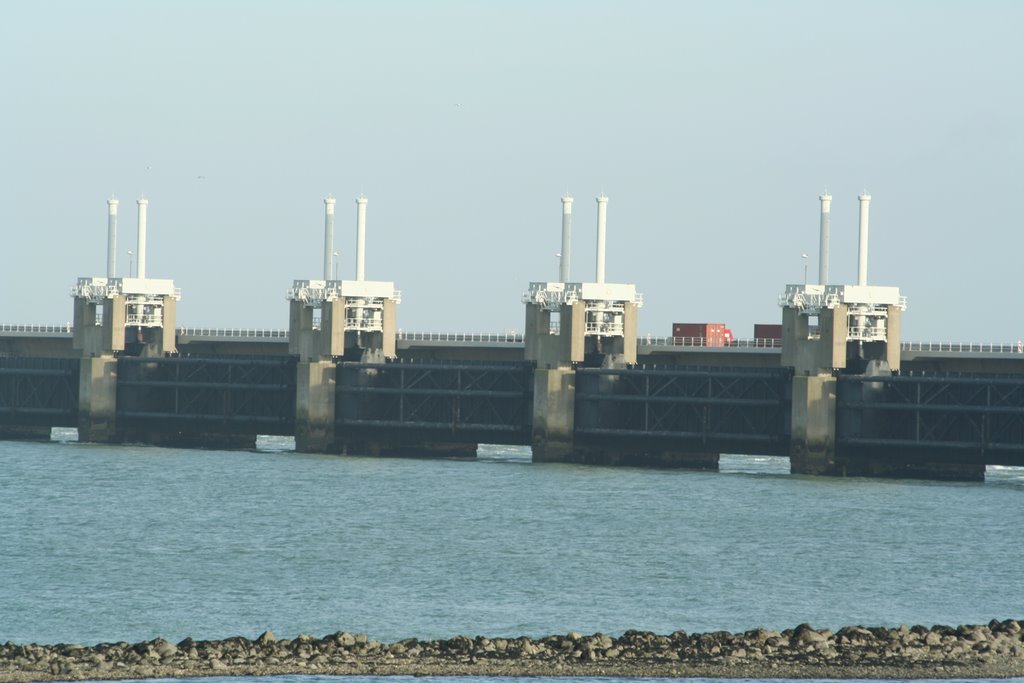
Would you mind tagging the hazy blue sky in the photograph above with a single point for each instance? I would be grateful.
(711, 126)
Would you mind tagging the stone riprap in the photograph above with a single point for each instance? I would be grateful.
(982, 651)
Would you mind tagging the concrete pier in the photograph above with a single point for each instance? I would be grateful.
(97, 402)
(314, 406)
(550, 350)
(813, 425)
(817, 362)
(114, 317)
(813, 430)
(97, 383)
(558, 351)
(319, 348)
(554, 411)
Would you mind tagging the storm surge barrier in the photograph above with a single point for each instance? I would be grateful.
(915, 423)
(413, 407)
(204, 401)
(37, 394)
(952, 419)
(699, 409)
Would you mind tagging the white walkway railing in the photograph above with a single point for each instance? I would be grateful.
(66, 329)
(701, 341)
(233, 333)
(470, 337)
(952, 347)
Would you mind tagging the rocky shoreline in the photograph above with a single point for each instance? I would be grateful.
(993, 650)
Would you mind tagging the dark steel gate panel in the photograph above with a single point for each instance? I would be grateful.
(933, 418)
(456, 402)
(216, 395)
(701, 410)
(39, 392)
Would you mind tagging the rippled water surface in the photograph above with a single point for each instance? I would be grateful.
(102, 543)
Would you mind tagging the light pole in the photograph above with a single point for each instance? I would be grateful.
(559, 257)
(131, 256)
(335, 265)
(804, 257)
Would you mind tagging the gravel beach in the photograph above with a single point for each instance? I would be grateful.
(993, 650)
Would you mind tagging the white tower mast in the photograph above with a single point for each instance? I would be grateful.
(602, 215)
(143, 205)
(361, 237)
(329, 202)
(862, 260)
(563, 269)
(112, 237)
(826, 211)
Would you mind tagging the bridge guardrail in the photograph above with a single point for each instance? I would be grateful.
(953, 347)
(506, 338)
(648, 340)
(66, 329)
(61, 330)
(230, 333)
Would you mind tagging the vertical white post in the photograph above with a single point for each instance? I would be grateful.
(862, 260)
(112, 237)
(143, 205)
(361, 237)
(563, 269)
(602, 217)
(826, 212)
(329, 202)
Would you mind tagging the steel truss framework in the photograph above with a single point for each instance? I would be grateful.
(39, 392)
(959, 419)
(216, 395)
(453, 402)
(701, 410)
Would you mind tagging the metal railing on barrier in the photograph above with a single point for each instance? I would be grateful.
(233, 333)
(64, 329)
(512, 337)
(954, 347)
(714, 343)
(471, 337)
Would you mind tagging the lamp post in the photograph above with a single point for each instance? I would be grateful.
(804, 257)
(131, 256)
(559, 257)
(335, 265)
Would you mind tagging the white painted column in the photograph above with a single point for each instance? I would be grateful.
(143, 206)
(564, 263)
(111, 238)
(826, 212)
(862, 259)
(329, 202)
(602, 216)
(361, 237)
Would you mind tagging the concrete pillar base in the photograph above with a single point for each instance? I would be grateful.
(813, 428)
(314, 406)
(554, 414)
(97, 400)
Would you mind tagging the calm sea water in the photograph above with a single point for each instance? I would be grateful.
(102, 543)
